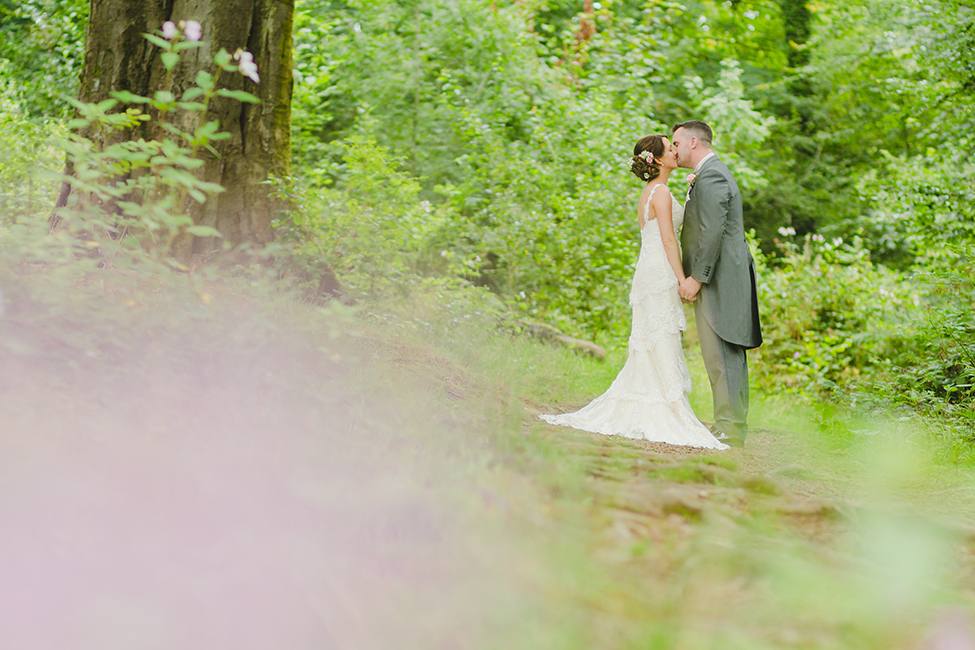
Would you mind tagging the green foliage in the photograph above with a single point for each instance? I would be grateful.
(477, 143)
(42, 48)
(524, 164)
(932, 366)
(370, 233)
(131, 200)
(25, 148)
(550, 222)
(828, 316)
(841, 327)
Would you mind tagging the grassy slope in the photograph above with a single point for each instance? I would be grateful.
(381, 480)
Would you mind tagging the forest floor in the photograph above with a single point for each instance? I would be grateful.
(236, 470)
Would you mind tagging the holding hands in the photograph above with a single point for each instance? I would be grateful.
(688, 289)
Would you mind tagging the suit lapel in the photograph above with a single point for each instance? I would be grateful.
(690, 191)
(704, 165)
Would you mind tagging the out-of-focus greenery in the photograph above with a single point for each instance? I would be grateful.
(470, 142)
(130, 201)
(42, 47)
(846, 124)
(460, 163)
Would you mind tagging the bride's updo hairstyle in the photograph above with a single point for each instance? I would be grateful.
(646, 157)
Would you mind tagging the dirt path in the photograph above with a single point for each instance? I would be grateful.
(780, 542)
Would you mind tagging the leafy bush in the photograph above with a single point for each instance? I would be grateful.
(547, 222)
(521, 149)
(25, 148)
(42, 48)
(828, 315)
(131, 200)
(371, 232)
(933, 367)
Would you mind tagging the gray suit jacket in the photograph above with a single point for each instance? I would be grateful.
(716, 254)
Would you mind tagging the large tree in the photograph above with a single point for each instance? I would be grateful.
(119, 58)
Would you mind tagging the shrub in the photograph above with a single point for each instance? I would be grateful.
(828, 315)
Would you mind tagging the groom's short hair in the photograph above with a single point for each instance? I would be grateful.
(697, 128)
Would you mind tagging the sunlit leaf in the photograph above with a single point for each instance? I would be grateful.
(158, 42)
(239, 95)
(169, 59)
(203, 231)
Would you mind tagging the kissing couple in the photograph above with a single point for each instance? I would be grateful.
(648, 399)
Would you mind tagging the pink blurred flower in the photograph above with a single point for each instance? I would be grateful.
(193, 31)
(247, 66)
(169, 30)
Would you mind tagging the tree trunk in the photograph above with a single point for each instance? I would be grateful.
(118, 57)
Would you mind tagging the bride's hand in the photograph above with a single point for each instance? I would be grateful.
(688, 289)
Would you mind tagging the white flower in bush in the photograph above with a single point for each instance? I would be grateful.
(169, 30)
(193, 31)
(247, 66)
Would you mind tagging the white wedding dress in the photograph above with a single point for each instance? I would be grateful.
(648, 398)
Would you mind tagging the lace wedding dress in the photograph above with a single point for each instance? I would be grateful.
(648, 399)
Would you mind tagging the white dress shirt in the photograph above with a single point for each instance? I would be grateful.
(701, 162)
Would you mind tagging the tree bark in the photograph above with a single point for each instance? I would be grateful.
(118, 57)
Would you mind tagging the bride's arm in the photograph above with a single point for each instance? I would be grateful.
(665, 220)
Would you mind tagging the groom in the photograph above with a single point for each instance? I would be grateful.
(720, 277)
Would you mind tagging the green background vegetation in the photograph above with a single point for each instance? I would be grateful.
(462, 164)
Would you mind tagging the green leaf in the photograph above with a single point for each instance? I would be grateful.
(187, 162)
(106, 104)
(126, 97)
(175, 130)
(164, 97)
(239, 95)
(222, 59)
(78, 124)
(203, 231)
(192, 106)
(204, 79)
(193, 93)
(187, 45)
(207, 130)
(212, 188)
(158, 42)
(169, 59)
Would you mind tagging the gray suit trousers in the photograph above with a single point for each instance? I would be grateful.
(728, 372)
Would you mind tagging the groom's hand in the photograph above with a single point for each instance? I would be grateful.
(688, 289)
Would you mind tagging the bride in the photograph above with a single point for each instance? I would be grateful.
(648, 399)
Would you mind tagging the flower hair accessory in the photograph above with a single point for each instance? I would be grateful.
(647, 155)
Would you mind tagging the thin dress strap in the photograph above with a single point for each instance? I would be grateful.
(646, 208)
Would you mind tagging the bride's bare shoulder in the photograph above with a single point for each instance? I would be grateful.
(660, 195)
